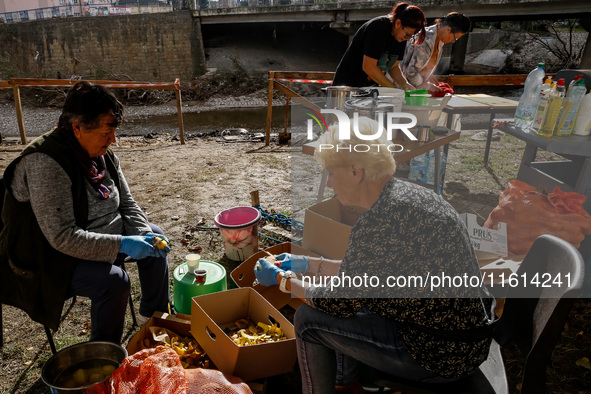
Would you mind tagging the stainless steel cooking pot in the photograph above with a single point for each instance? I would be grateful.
(82, 354)
(370, 107)
(336, 96)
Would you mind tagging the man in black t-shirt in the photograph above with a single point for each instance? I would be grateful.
(376, 49)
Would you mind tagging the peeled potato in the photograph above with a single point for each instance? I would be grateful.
(108, 369)
(270, 258)
(160, 243)
(80, 376)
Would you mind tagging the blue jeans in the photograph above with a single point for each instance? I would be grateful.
(325, 342)
(108, 287)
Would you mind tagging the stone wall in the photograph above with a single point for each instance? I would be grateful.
(147, 47)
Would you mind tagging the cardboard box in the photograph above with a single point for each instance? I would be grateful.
(327, 227)
(210, 312)
(243, 275)
(180, 324)
(487, 243)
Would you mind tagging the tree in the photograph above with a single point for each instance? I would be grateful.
(562, 43)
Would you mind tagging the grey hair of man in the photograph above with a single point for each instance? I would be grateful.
(373, 155)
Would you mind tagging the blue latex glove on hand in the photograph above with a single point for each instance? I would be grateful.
(293, 262)
(266, 272)
(162, 236)
(139, 247)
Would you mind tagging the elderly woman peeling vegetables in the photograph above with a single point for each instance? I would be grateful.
(69, 219)
(420, 333)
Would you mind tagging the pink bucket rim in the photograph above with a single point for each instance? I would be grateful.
(256, 217)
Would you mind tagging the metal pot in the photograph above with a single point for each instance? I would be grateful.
(336, 96)
(369, 107)
(85, 355)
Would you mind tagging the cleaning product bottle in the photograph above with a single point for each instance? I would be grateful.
(583, 120)
(524, 115)
(570, 107)
(553, 110)
(547, 89)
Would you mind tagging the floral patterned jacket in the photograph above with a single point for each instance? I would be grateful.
(411, 232)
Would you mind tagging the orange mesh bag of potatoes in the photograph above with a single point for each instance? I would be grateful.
(150, 371)
(530, 213)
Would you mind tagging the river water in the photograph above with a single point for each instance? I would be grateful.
(205, 121)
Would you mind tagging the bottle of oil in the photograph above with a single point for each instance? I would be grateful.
(547, 89)
(553, 110)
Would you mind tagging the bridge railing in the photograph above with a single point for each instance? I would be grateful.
(213, 4)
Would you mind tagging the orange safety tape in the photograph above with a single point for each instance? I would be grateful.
(304, 80)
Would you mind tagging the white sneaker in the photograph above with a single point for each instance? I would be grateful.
(141, 319)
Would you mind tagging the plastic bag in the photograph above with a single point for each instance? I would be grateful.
(530, 213)
(422, 168)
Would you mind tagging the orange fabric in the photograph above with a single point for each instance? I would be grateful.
(205, 381)
(529, 213)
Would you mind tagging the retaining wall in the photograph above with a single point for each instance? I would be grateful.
(147, 47)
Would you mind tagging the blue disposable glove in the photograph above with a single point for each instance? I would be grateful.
(293, 262)
(139, 247)
(266, 272)
(151, 237)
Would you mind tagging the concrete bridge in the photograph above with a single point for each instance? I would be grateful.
(257, 11)
(346, 17)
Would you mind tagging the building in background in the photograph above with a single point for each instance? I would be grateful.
(25, 10)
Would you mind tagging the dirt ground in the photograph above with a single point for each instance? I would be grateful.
(182, 187)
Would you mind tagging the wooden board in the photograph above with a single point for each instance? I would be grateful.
(492, 101)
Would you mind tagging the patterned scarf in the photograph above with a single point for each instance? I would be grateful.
(96, 174)
(94, 168)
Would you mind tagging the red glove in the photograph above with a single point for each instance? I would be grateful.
(444, 88)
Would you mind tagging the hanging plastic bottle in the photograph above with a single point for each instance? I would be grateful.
(547, 129)
(570, 107)
(547, 89)
(524, 115)
(583, 120)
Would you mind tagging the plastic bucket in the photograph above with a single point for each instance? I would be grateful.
(239, 230)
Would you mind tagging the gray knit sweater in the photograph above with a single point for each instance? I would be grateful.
(42, 181)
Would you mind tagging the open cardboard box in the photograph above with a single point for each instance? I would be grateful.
(180, 324)
(212, 311)
(243, 275)
(327, 227)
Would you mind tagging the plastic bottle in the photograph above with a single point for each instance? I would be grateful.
(570, 107)
(546, 91)
(583, 120)
(553, 110)
(524, 115)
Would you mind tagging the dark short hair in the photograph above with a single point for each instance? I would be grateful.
(457, 21)
(410, 16)
(86, 102)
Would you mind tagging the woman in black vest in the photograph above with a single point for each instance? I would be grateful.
(69, 218)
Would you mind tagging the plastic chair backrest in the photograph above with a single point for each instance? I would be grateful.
(551, 259)
(569, 75)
